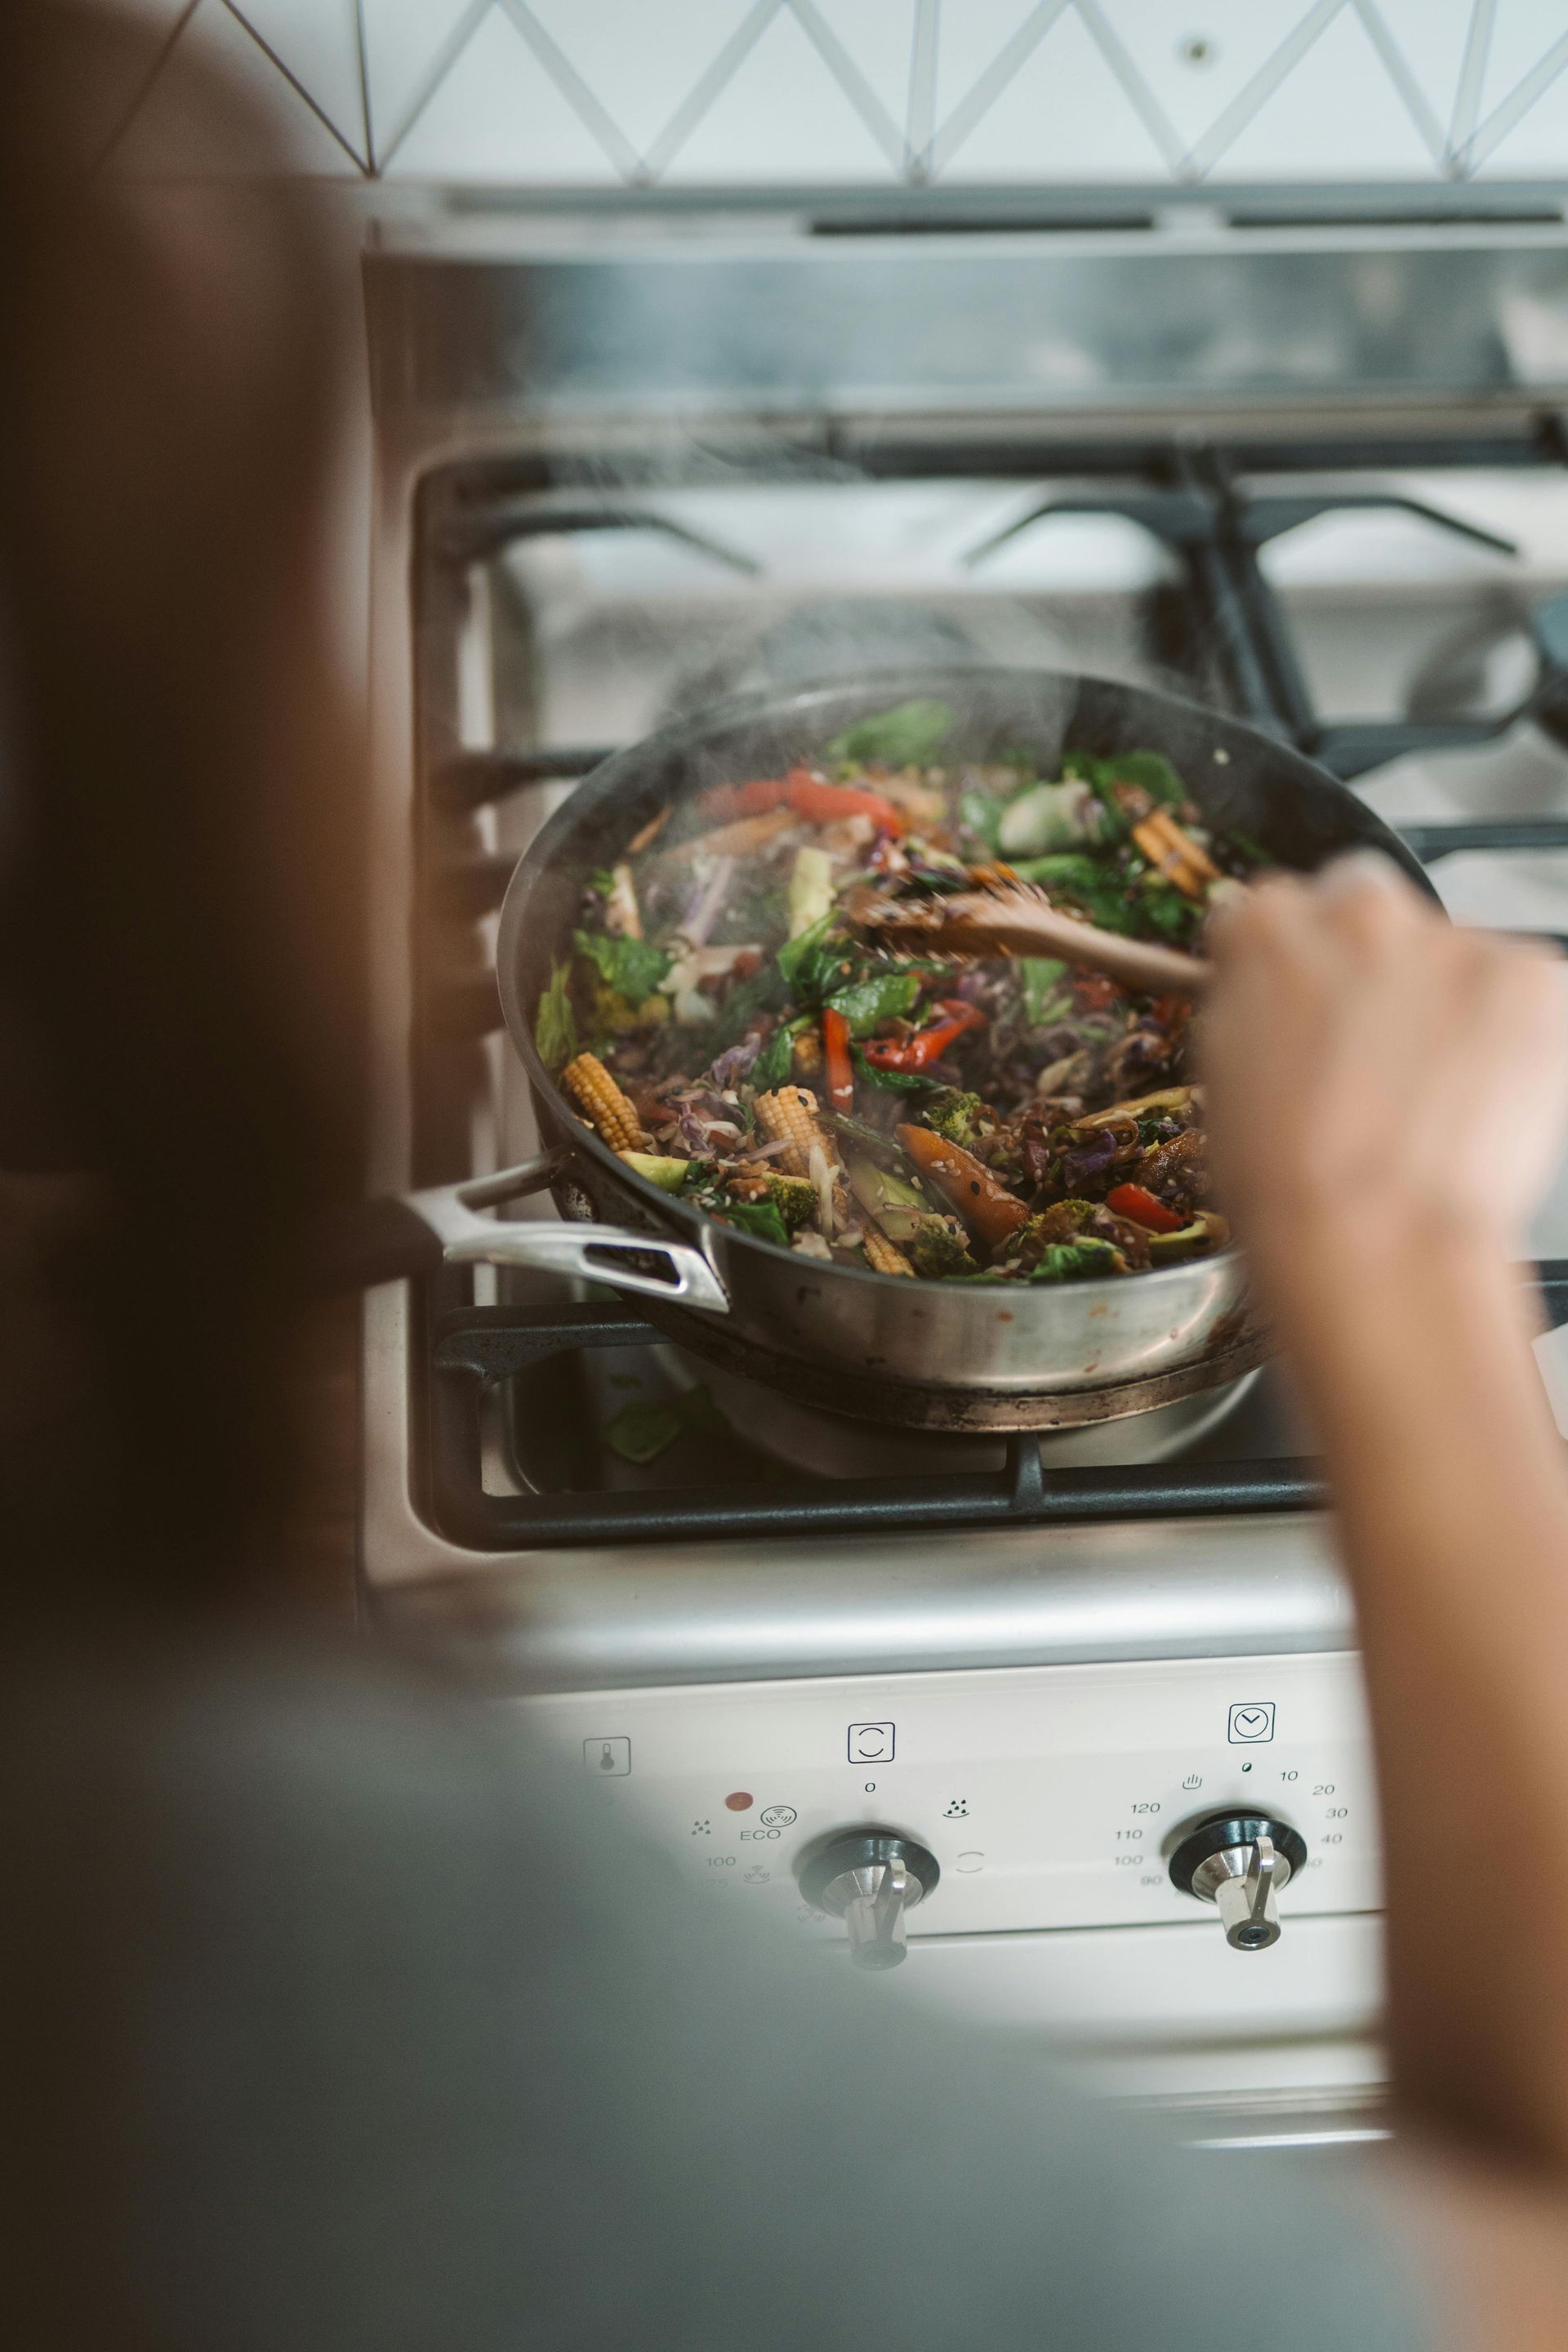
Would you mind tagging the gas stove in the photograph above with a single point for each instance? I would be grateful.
(1072, 1717)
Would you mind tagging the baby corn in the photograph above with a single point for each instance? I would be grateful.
(600, 1100)
(790, 1116)
(881, 1254)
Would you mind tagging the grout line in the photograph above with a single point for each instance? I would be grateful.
(919, 120)
(160, 60)
(1491, 134)
(617, 147)
(1397, 67)
(446, 58)
(298, 87)
(700, 98)
(1224, 132)
(364, 88)
(1155, 120)
(850, 80)
(983, 94)
(1472, 73)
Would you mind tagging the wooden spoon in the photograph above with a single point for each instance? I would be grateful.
(1016, 918)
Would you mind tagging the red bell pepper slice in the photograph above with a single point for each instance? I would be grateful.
(839, 1069)
(1096, 991)
(1131, 1201)
(725, 803)
(808, 795)
(822, 804)
(927, 1045)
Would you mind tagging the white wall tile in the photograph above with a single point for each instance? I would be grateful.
(497, 115)
(972, 37)
(1063, 117)
(876, 39)
(810, 92)
(1525, 61)
(1336, 116)
(782, 117)
(1199, 57)
(1522, 31)
(1536, 147)
(405, 43)
(317, 41)
(167, 137)
(641, 67)
(1431, 37)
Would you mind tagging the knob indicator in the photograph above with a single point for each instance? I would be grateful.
(871, 1879)
(1240, 1863)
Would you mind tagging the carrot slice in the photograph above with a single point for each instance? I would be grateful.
(992, 1214)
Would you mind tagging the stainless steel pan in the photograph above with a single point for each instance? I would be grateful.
(889, 1349)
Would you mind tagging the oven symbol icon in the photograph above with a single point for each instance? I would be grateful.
(870, 1743)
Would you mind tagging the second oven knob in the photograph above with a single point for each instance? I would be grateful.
(871, 1879)
(1240, 1863)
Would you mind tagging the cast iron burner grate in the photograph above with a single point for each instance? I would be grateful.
(478, 1349)
(1221, 628)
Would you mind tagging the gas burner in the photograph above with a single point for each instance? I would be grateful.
(822, 1445)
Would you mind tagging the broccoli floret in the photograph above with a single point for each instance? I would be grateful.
(794, 1197)
(953, 1115)
(1062, 1222)
(935, 1246)
(608, 1013)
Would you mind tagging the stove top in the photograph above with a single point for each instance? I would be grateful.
(1398, 625)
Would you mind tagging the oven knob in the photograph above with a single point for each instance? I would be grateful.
(1240, 1863)
(870, 1879)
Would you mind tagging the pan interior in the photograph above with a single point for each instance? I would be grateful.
(1244, 782)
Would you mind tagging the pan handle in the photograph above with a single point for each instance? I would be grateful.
(613, 1253)
(394, 1240)
(601, 1254)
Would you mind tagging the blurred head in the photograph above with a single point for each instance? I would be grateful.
(180, 833)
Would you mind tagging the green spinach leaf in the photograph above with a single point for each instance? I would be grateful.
(896, 1082)
(640, 1433)
(774, 1063)
(1045, 996)
(759, 1217)
(910, 735)
(983, 813)
(885, 997)
(554, 1024)
(1066, 1261)
(814, 965)
(632, 967)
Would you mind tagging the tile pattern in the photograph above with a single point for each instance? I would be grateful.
(855, 92)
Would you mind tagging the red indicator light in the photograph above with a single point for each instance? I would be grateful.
(739, 1801)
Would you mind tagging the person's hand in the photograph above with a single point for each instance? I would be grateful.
(1377, 1076)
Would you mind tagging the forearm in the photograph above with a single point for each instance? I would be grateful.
(1452, 1497)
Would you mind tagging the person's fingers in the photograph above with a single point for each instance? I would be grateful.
(1364, 869)
(1250, 915)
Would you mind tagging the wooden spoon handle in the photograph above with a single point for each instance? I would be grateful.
(986, 923)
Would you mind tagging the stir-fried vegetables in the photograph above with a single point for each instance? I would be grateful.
(722, 1025)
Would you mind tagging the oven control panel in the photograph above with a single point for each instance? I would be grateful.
(1235, 1792)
